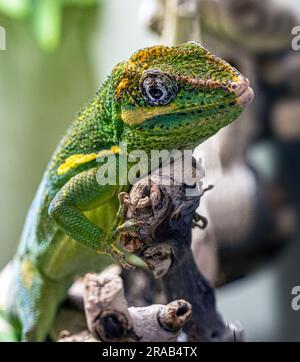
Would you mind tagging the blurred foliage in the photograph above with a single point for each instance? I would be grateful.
(40, 94)
(44, 17)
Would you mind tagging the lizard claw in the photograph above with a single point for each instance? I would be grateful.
(119, 257)
(124, 198)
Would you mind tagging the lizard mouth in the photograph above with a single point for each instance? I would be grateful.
(246, 97)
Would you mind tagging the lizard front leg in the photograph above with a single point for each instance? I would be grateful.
(82, 193)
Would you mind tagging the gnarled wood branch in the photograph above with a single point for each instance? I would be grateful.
(162, 215)
(110, 320)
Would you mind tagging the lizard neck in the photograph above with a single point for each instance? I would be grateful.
(93, 128)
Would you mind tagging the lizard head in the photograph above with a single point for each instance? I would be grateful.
(177, 96)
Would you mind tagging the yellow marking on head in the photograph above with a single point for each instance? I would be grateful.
(143, 55)
(122, 85)
(151, 52)
(27, 271)
(140, 115)
(80, 159)
(130, 66)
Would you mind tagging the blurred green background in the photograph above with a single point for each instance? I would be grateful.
(41, 91)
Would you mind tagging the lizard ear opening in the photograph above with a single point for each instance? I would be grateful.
(158, 88)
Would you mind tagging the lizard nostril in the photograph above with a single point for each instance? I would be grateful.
(239, 86)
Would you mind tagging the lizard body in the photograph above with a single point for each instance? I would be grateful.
(161, 98)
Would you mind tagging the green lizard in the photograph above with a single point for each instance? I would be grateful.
(161, 98)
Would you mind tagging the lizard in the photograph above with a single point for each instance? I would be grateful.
(162, 97)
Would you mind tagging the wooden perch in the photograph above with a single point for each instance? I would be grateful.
(109, 319)
(158, 229)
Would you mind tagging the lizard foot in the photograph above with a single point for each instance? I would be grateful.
(119, 257)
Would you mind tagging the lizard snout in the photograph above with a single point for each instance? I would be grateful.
(242, 90)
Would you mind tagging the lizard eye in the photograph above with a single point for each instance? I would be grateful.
(158, 88)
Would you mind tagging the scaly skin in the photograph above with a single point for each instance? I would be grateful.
(161, 98)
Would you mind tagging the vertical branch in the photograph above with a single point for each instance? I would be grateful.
(181, 21)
